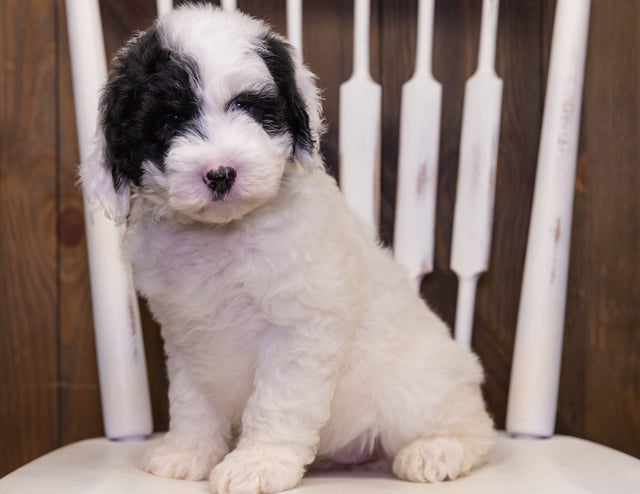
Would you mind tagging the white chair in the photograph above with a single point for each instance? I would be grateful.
(530, 459)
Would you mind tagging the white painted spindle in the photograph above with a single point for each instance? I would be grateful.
(473, 216)
(126, 406)
(359, 135)
(535, 373)
(418, 157)
(163, 7)
(228, 4)
(294, 24)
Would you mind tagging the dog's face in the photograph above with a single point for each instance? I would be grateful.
(202, 114)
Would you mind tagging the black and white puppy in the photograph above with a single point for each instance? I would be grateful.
(291, 336)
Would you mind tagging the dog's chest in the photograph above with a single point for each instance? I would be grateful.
(204, 289)
(199, 273)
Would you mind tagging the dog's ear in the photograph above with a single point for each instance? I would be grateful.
(309, 156)
(105, 176)
(101, 184)
(296, 85)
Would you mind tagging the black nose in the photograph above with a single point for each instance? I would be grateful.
(220, 180)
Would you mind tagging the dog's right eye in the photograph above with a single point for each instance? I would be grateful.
(172, 121)
(168, 126)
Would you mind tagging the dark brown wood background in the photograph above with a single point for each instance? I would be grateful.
(48, 384)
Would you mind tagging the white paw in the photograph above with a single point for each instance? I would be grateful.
(257, 470)
(166, 460)
(429, 460)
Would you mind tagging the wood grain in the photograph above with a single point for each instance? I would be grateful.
(48, 379)
(600, 388)
(328, 51)
(28, 250)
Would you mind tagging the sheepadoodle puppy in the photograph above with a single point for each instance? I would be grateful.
(291, 336)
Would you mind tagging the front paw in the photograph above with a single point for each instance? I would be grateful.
(186, 463)
(257, 470)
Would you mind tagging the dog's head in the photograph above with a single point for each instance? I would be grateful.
(202, 114)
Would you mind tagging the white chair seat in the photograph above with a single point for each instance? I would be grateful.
(558, 465)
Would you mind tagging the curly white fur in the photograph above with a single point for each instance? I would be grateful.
(291, 335)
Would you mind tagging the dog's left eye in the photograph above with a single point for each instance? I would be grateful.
(255, 110)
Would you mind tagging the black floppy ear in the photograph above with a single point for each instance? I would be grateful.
(106, 175)
(101, 177)
(277, 55)
(120, 102)
(110, 115)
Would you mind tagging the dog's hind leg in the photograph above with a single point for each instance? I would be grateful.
(457, 444)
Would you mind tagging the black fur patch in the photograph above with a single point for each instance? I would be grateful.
(295, 119)
(267, 109)
(149, 98)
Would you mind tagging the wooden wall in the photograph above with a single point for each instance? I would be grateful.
(48, 384)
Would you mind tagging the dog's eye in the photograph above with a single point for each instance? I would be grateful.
(256, 111)
(168, 126)
(173, 121)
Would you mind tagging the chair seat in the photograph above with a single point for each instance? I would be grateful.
(558, 465)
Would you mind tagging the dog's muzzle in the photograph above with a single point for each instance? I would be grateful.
(220, 180)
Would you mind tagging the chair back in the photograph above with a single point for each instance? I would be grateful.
(536, 360)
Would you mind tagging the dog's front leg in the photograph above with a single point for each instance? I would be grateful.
(198, 434)
(294, 385)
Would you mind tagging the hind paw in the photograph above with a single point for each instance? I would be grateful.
(430, 460)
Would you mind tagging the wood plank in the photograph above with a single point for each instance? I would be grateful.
(28, 310)
(273, 12)
(600, 389)
(120, 18)
(328, 51)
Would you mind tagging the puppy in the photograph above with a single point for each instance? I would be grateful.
(291, 335)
